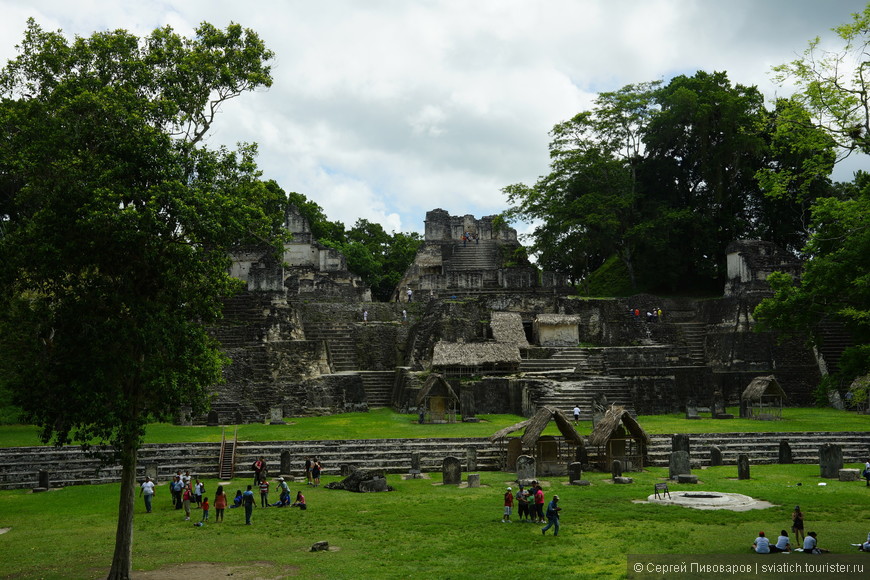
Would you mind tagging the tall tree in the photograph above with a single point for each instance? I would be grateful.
(833, 84)
(115, 227)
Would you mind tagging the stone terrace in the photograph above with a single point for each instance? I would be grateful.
(70, 466)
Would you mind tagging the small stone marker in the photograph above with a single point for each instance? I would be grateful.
(692, 412)
(687, 478)
(785, 455)
(471, 458)
(616, 468)
(213, 419)
(276, 416)
(678, 463)
(742, 466)
(575, 472)
(473, 480)
(680, 442)
(319, 546)
(715, 456)
(526, 468)
(286, 462)
(850, 474)
(830, 460)
(451, 470)
(415, 464)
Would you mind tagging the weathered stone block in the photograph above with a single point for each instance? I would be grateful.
(679, 463)
(687, 478)
(623, 480)
(830, 460)
(742, 466)
(473, 480)
(451, 470)
(849, 474)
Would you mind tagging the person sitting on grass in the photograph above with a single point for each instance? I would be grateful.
(782, 543)
(811, 545)
(237, 501)
(865, 547)
(761, 545)
(300, 501)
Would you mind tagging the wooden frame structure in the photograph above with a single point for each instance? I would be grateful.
(618, 436)
(762, 399)
(438, 400)
(552, 455)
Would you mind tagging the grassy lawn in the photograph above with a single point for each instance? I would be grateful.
(426, 530)
(385, 424)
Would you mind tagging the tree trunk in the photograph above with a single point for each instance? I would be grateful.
(122, 561)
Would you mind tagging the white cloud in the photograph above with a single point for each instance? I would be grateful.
(385, 109)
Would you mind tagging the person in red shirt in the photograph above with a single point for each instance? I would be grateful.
(539, 504)
(204, 509)
(264, 493)
(508, 505)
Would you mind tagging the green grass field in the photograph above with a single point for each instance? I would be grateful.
(385, 424)
(424, 529)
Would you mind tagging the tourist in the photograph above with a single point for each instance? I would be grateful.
(538, 515)
(410, 294)
(237, 501)
(147, 491)
(264, 493)
(308, 469)
(204, 505)
(259, 467)
(283, 493)
(553, 510)
(782, 543)
(316, 467)
(865, 547)
(576, 414)
(176, 487)
(198, 492)
(365, 315)
(404, 315)
(300, 501)
(186, 479)
(248, 502)
(797, 523)
(186, 497)
(811, 545)
(866, 473)
(761, 545)
(523, 503)
(220, 504)
(508, 505)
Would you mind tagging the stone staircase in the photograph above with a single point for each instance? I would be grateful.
(833, 340)
(762, 448)
(19, 466)
(566, 394)
(483, 257)
(378, 386)
(693, 335)
(577, 359)
(339, 344)
(243, 322)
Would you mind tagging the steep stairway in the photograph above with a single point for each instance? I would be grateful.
(339, 344)
(693, 335)
(578, 359)
(378, 386)
(566, 394)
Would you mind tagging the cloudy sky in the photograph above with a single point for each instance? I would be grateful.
(385, 109)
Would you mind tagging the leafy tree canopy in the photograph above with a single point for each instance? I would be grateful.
(115, 224)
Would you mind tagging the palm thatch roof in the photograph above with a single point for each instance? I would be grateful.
(508, 327)
(536, 425)
(474, 353)
(766, 386)
(435, 380)
(615, 416)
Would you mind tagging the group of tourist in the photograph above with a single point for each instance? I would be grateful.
(809, 543)
(530, 507)
(653, 315)
(467, 237)
(313, 467)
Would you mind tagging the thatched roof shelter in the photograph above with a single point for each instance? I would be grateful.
(761, 387)
(435, 384)
(551, 454)
(473, 353)
(762, 399)
(615, 416)
(507, 327)
(618, 435)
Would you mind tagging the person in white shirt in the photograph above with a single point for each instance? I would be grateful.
(761, 545)
(783, 543)
(576, 414)
(147, 491)
(811, 545)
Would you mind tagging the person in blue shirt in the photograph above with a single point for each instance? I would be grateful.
(248, 502)
(553, 510)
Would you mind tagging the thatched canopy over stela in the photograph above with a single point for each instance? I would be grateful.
(615, 416)
(536, 425)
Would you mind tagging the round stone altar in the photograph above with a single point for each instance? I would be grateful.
(710, 500)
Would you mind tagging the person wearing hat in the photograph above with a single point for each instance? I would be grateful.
(508, 505)
(283, 493)
(553, 510)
